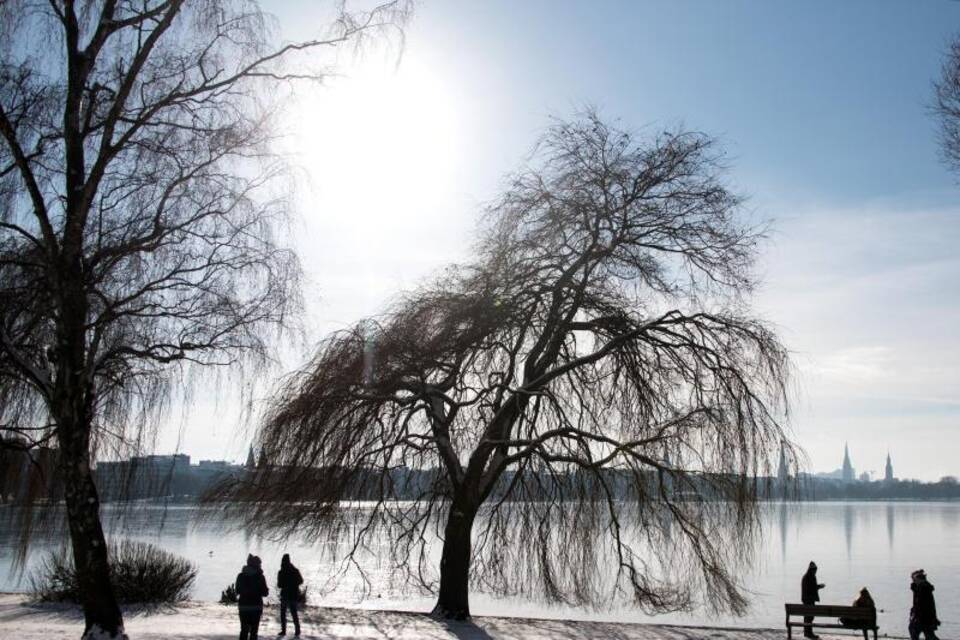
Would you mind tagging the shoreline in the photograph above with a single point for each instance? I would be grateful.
(23, 620)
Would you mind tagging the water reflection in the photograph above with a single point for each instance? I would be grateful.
(918, 534)
(890, 519)
(951, 517)
(783, 531)
(848, 528)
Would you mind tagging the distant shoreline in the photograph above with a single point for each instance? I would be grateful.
(195, 501)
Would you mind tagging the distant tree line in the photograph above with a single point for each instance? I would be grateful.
(830, 489)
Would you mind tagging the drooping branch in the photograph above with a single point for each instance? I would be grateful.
(591, 390)
(143, 238)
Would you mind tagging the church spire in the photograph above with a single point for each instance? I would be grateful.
(888, 474)
(250, 459)
(848, 473)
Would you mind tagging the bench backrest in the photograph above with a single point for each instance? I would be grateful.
(832, 611)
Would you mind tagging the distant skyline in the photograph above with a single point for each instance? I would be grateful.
(875, 473)
(822, 106)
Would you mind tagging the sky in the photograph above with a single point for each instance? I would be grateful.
(822, 106)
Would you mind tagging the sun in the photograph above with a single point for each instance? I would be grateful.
(382, 151)
(382, 135)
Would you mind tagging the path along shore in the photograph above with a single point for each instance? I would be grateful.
(21, 620)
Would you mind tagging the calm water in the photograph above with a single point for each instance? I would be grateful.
(855, 544)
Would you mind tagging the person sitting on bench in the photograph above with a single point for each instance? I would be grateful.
(863, 600)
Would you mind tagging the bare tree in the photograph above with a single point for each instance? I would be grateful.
(140, 221)
(947, 106)
(589, 395)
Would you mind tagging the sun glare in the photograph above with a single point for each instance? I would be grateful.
(380, 147)
(377, 137)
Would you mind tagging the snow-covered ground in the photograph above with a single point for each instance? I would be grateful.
(20, 620)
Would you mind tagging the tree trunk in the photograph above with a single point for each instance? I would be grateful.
(453, 600)
(100, 611)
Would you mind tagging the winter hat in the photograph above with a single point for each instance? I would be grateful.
(285, 560)
(813, 565)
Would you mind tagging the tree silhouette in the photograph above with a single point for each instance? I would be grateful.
(589, 393)
(140, 213)
(947, 106)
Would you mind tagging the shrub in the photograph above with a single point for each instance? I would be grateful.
(140, 573)
(229, 595)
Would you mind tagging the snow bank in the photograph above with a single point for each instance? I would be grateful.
(20, 620)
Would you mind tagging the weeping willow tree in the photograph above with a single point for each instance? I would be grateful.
(141, 227)
(583, 412)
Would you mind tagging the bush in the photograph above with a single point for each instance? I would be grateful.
(229, 595)
(140, 573)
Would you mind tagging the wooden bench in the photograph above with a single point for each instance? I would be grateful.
(864, 618)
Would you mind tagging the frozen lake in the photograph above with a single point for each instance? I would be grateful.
(855, 544)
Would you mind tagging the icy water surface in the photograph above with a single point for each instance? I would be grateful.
(855, 544)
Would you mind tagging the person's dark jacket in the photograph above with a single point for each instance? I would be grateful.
(924, 611)
(864, 601)
(251, 587)
(809, 589)
(288, 579)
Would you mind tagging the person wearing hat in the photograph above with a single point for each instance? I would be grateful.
(923, 613)
(289, 581)
(810, 594)
(251, 589)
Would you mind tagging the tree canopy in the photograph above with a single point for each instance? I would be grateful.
(141, 222)
(591, 390)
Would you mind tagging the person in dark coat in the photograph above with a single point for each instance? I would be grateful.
(864, 600)
(289, 581)
(251, 589)
(810, 594)
(923, 613)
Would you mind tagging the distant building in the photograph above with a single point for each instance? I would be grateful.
(888, 473)
(213, 465)
(836, 474)
(251, 461)
(156, 476)
(849, 475)
(864, 477)
(177, 462)
(28, 473)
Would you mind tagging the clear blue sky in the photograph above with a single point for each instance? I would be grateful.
(823, 107)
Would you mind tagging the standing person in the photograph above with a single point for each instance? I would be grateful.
(810, 594)
(289, 581)
(923, 613)
(251, 589)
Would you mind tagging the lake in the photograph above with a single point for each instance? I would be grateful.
(855, 544)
